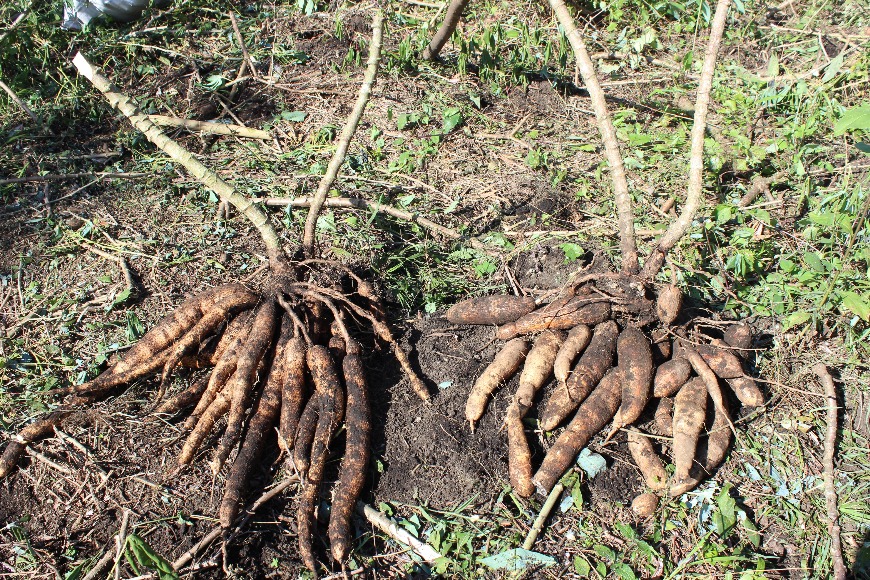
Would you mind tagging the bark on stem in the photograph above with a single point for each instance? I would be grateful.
(828, 462)
(694, 191)
(346, 134)
(178, 153)
(446, 30)
(627, 243)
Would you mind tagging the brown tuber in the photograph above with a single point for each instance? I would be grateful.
(670, 376)
(668, 304)
(593, 414)
(505, 365)
(644, 505)
(634, 356)
(596, 359)
(690, 406)
(498, 309)
(562, 314)
(647, 460)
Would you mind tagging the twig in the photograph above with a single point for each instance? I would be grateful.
(99, 566)
(347, 132)
(446, 30)
(185, 558)
(622, 198)
(694, 191)
(759, 185)
(390, 528)
(206, 176)
(48, 461)
(120, 541)
(245, 55)
(538, 526)
(20, 103)
(68, 176)
(359, 203)
(828, 462)
(210, 127)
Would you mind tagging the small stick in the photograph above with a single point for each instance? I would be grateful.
(206, 176)
(48, 461)
(347, 132)
(99, 566)
(828, 462)
(446, 30)
(538, 526)
(359, 203)
(210, 127)
(120, 541)
(17, 100)
(627, 243)
(68, 176)
(695, 188)
(390, 528)
(186, 557)
(245, 55)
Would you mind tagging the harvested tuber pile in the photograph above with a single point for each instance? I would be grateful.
(628, 358)
(285, 369)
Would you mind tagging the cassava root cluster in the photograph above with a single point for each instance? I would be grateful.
(613, 355)
(282, 360)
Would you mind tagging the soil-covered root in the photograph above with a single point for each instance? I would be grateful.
(241, 384)
(561, 314)
(747, 391)
(724, 363)
(154, 350)
(690, 406)
(225, 366)
(647, 460)
(38, 429)
(670, 376)
(645, 505)
(538, 367)
(352, 474)
(263, 417)
(576, 342)
(592, 415)
(664, 416)
(593, 364)
(505, 365)
(332, 400)
(497, 309)
(293, 392)
(668, 304)
(711, 452)
(519, 453)
(183, 399)
(634, 356)
(739, 337)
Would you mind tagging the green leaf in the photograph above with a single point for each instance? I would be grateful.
(605, 552)
(795, 319)
(572, 251)
(147, 557)
(517, 559)
(773, 66)
(726, 516)
(854, 119)
(624, 572)
(294, 116)
(581, 566)
(833, 68)
(122, 297)
(814, 261)
(452, 117)
(855, 303)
